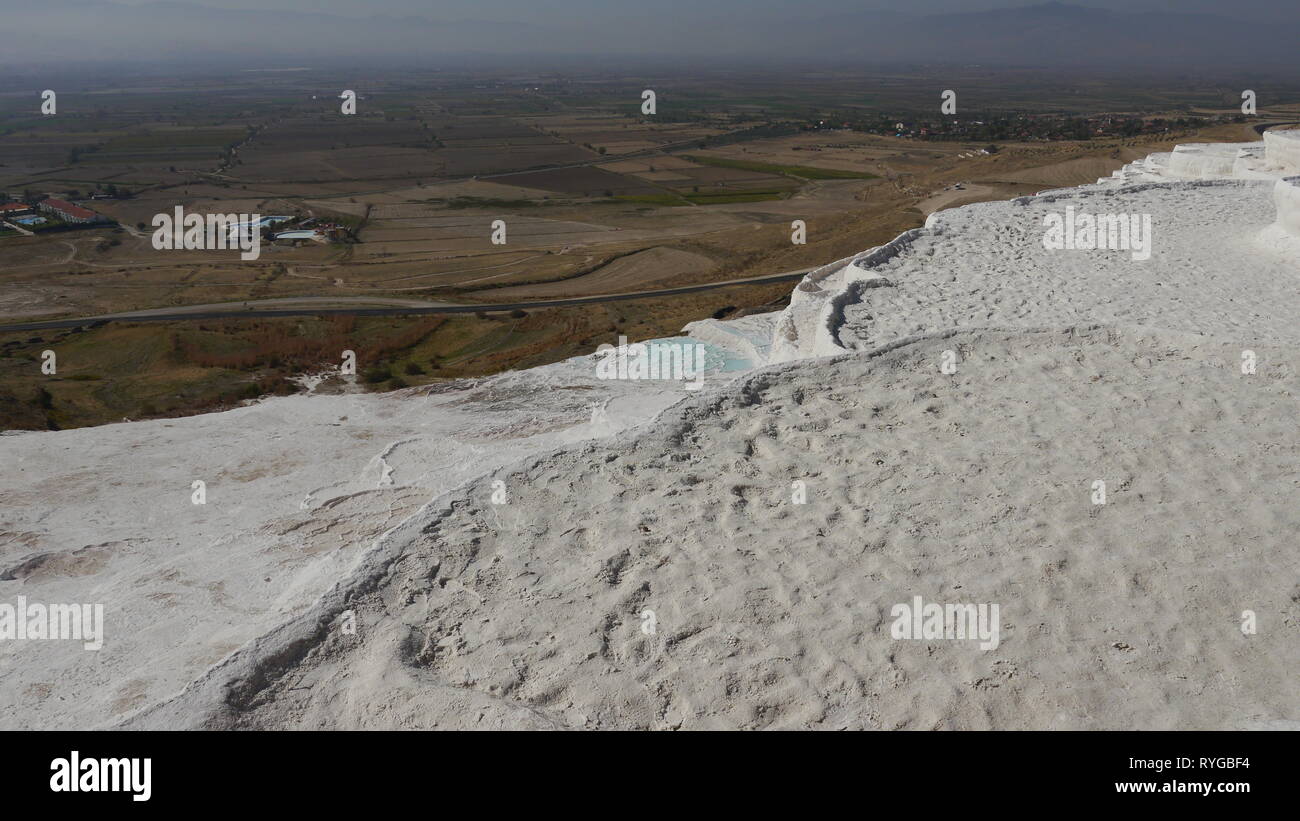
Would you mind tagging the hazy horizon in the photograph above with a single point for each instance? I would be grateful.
(1281, 11)
(1179, 36)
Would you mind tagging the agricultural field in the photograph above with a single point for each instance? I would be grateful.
(593, 197)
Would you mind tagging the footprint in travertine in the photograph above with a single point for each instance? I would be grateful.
(84, 561)
(129, 696)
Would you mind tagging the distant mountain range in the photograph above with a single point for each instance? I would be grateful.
(1050, 35)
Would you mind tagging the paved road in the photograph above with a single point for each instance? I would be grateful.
(302, 306)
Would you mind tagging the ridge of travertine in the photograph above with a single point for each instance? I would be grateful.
(814, 324)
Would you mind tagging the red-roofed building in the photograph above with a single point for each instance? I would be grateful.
(68, 212)
(14, 209)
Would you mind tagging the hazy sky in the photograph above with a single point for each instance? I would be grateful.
(1252, 34)
(555, 11)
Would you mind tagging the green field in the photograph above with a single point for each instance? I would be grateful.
(653, 199)
(728, 197)
(801, 171)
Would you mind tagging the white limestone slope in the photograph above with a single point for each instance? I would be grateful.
(1223, 260)
(298, 489)
(669, 580)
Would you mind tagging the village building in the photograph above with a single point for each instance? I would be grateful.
(70, 213)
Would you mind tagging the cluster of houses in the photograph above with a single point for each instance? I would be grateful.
(50, 212)
(311, 229)
(23, 215)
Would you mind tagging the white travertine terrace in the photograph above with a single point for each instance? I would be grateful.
(1235, 205)
(1203, 161)
(1282, 149)
(1286, 196)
